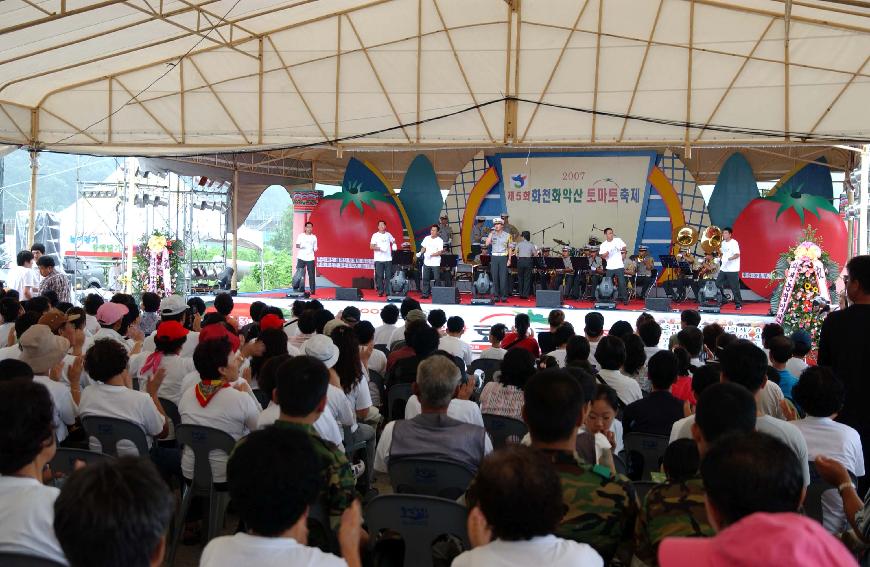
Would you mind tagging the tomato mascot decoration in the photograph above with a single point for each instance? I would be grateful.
(344, 223)
(768, 227)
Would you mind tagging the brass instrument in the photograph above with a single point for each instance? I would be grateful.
(707, 269)
(711, 239)
(685, 236)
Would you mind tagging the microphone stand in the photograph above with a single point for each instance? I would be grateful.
(543, 231)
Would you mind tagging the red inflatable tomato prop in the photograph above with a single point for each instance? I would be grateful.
(768, 227)
(344, 223)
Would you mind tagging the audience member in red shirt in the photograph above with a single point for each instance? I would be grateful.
(521, 336)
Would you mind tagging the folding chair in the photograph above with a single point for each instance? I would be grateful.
(397, 398)
(419, 520)
(202, 441)
(378, 380)
(649, 449)
(384, 349)
(263, 397)
(320, 529)
(488, 365)
(171, 411)
(429, 477)
(818, 486)
(64, 460)
(23, 560)
(110, 430)
(503, 430)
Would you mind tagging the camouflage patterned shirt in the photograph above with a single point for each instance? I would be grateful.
(599, 511)
(673, 509)
(340, 486)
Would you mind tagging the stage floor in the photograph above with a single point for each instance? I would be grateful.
(756, 308)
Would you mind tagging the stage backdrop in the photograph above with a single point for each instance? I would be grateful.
(582, 189)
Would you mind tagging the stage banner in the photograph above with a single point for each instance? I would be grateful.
(581, 190)
(478, 319)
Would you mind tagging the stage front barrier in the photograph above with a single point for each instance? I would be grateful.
(479, 318)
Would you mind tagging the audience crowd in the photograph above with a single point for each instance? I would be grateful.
(589, 447)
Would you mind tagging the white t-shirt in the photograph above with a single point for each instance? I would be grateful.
(383, 334)
(106, 400)
(432, 245)
(494, 353)
(186, 349)
(385, 245)
(614, 250)
(231, 411)
(398, 335)
(771, 396)
(4, 333)
(360, 397)
(27, 518)
(456, 347)
(106, 333)
(838, 441)
(91, 325)
(193, 378)
(246, 549)
(728, 249)
(791, 436)
(559, 354)
(19, 278)
(325, 426)
(626, 388)
(340, 406)
(796, 366)
(682, 428)
(307, 244)
(546, 550)
(11, 351)
(460, 410)
(378, 362)
(177, 367)
(382, 454)
(64, 407)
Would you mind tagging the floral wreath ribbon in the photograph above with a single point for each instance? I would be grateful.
(807, 257)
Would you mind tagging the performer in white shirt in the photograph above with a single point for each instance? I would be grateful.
(22, 278)
(729, 270)
(383, 244)
(431, 249)
(306, 246)
(611, 251)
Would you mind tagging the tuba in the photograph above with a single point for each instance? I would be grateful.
(685, 236)
(711, 239)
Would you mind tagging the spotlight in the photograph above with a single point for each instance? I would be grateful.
(605, 295)
(398, 286)
(709, 297)
(481, 290)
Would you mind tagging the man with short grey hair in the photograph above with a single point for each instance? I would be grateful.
(433, 434)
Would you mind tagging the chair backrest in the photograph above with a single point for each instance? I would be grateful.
(110, 430)
(813, 498)
(488, 365)
(503, 430)
(378, 380)
(64, 460)
(648, 448)
(429, 477)
(397, 397)
(262, 397)
(383, 348)
(619, 464)
(641, 487)
(171, 411)
(397, 345)
(21, 560)
(203, 440)
(419, 520)
(319, 528)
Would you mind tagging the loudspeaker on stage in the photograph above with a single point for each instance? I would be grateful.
(548, 298)
(658, 303)
(348, 293)
(445, 295)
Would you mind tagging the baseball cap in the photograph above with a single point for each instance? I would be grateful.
(594, 248)
(42, 349)
(323, 349)
(802, 338)
(217, 332)
(478, 219)
(170, 330)
(172, 305)
(54, 319)
(331, 325)
(110, 313)
(498, 220)
(757, 540)
(415, 315)
(643, 247)
(271, 321)
(351, 315)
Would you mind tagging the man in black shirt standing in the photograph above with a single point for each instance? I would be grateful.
(844, 345)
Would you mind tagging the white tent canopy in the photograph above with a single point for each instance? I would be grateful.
(192, 76)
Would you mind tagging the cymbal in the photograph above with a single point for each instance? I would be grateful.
(561, 242)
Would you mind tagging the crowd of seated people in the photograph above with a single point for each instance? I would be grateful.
(746, 433)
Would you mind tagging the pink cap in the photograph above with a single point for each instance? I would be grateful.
(760, 540)
(110, 313)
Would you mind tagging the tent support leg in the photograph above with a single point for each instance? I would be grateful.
(235, 215)
(34, 172)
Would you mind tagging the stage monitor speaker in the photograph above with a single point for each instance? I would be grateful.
(445, 295)
(658, 303)
(348, 293)
(364, 283)
(548, 298)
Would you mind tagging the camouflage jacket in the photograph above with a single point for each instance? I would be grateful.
(673, 509)
(339, 484)
(599, 511)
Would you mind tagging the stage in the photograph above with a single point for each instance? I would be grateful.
(746, 323)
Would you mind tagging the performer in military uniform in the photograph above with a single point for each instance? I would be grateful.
(478, 234)
(525, 252)
(643, 279)
(682, 279)
(709, 270)
(596, 270)
(445, 233)
(509, 228)
(499, 242)
(564, 275)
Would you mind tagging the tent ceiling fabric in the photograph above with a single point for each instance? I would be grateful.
(171, 77)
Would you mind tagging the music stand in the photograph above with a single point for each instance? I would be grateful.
(449, 260)
(555, 263)
(582, 263)
(402, 257)
(685, 267)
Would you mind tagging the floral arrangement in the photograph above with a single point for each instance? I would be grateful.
(803, 274)
(158, 264)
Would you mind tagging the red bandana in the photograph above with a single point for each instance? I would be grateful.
(206, 390)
